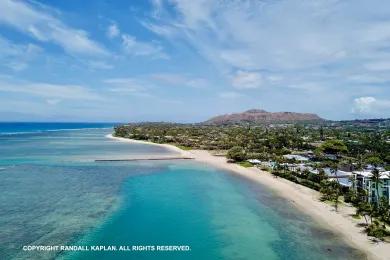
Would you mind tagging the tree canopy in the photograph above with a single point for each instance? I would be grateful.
(236, 153)
(334, 146)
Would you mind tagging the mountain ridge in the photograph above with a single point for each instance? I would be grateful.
(262, 116)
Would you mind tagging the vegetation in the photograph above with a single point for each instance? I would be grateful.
(236, 153)
(334, 147)
(246, 164)
(378, 230)
(357, 143)
(304, 180)
(331, 191)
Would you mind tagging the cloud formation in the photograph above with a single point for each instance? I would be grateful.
(132, 46)
(246, 79)
(179, 80)
(329, 57)
(113, 31)
(45, 27)
(370, 105)
(17, 56)
(230, 95)
(322, 47)
(48, 91)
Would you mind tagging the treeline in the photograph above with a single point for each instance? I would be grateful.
(262, 142)
(376, 215)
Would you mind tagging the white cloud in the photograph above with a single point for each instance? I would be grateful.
(17, 56)
(246, 80)
(378, 66)
(370, 105)
(162, 30)
(197, 82)
(179, 79)
(300, 42)
(368, 78)
(138, 48)
(157, 7)
(53, 101)
(43, 26)
(48, 91)
(248, 35)
(230, 95)
(127, 86)
(101, 65)
(144, 85)
(196, 13)
(238, 58)
(307, 86)
(113, 31)
(174, 79)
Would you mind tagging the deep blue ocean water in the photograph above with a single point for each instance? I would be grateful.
(53, 193)
(34, 127)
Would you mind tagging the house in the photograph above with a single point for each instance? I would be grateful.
(290, 166)
(330, 156)
(309, 154)
(268, 164)
(343, 177)
(370, 167)
(364, 181)
(299, 167)
(296, 157)
(254, 161)
(314, 171)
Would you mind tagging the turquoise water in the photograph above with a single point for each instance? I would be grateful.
(9, 128)
(53, 193)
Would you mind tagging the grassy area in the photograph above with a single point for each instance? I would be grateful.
(185, 148)
(245, 164)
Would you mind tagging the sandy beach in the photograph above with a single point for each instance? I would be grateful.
(172, 148)
(303, 198)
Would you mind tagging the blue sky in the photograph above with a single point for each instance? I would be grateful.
(188, 60)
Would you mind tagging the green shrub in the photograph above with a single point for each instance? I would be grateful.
(310, 184)
(377, 230)
(236, 153)
(245, 164)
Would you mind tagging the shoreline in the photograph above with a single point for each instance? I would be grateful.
(303, 198)
(171, 148)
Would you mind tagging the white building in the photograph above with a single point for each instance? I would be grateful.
(343, 177)
(364, 181)
(254, 161)
(296, 157)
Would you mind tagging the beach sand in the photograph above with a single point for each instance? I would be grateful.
(305, 199)
(175, 150)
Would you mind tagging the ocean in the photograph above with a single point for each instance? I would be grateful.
(53, 193)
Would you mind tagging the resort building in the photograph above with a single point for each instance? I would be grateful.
(343, 177)
(254, 161)
(268, 164)
(296, 157)
(364, 180)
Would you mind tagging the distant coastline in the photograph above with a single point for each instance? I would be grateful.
(171, 148)
(14, 128)
(303, 198)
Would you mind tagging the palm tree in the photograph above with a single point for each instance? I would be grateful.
(334, 170)
(352, 180)
(376, 179)
(365, 209)
(375, 161)
(359, 160)
(352, 192)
